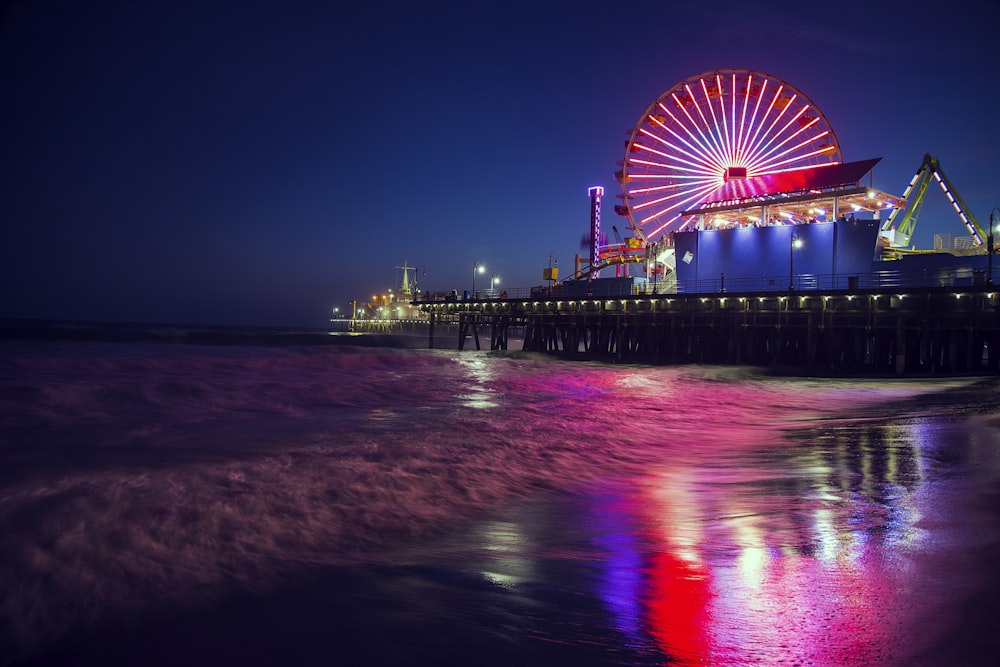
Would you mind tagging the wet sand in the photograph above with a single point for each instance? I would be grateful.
(971, 637)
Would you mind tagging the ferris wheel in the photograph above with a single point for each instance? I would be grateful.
(713, 127)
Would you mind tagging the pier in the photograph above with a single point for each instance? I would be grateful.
(919, 331)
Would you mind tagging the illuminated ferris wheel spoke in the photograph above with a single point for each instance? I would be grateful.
(647, 148)
(700, 186)
(700, 173)
(719, 131)
(720, 136)
(718, 91)
(653, 233)
(705, 125)
(681, 193)
(739, 149)
(693, 100)
(667, 144)
(661, 189)
(700, 148)
(770, 160)
(675, 157)
(769, 136)
(658, 188)
(743, 119)
(767, 155)
(729, 128)
(683, 105)
(714, 127)
(798, 158)
(701, 142)
(782, 131)
(753, 119)
(659, 229)
(699, 167)
(759, 127)
(768, 144)
(705, 142)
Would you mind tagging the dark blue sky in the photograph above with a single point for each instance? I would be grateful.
(262, 162)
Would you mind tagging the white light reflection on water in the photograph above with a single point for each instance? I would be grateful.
(478, 392)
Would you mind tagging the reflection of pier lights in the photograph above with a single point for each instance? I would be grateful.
(596, 192)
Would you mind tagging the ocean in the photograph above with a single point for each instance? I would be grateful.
(189, 496)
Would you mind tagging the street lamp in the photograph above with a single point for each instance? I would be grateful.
(477, 267)
(793, 242)
(989, 248)
(416, 276)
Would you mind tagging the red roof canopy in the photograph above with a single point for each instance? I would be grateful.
(817, 178)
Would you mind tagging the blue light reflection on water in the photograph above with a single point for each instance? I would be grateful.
(620, 584)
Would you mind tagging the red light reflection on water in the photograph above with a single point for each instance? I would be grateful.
(678, 604)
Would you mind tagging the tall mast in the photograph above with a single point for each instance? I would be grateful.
(405, 287)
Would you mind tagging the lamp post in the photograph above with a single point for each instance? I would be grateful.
(416, 275)
(494, 281)
(793, 242)
(989, 249)
(477, 267)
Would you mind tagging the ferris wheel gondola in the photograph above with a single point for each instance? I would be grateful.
(711, 128)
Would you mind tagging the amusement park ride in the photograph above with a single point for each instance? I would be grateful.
(740, 150)
(899, 233)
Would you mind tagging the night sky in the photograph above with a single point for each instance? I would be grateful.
(259, 163)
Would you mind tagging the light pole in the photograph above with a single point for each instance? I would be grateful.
(989, 249)
(793, 242)
(477, 267)
(416, 275)
(494, 281)
(552, 273)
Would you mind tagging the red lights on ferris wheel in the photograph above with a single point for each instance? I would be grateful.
(712, 128)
